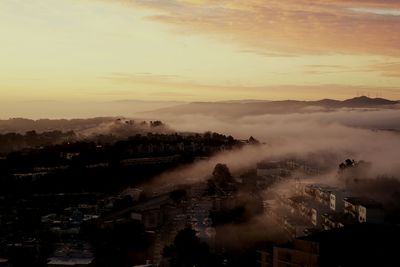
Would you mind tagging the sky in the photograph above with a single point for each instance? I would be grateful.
(198, 50)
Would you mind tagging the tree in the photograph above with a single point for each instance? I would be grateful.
(178, 195)
(186, 243)
(169, 251)
(253, 141)
(347, 163)
(156, 123)
(222, 174)
(188, 250)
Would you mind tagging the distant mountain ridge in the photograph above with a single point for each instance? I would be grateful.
(364, 100)
(234, 108)
(251, 107)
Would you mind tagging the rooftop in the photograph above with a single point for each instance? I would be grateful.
(363, 201)
(340, 217)
(70, 261)
(270, 164)
(323, 187)
(299, 199)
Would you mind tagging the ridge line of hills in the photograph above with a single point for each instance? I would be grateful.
(361, 101)
(255, 107)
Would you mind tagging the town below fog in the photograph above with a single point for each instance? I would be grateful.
(158, 198)
(199, 133)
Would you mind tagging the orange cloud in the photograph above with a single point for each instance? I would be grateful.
(389, 69)
(289, 26)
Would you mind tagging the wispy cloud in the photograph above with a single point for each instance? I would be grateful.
(390, 69)
(377, 11)
(289, 26)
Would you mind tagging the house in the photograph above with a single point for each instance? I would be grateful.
(155, 211)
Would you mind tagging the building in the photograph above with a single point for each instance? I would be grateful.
(296, 227)
(148, 264)
(332, 220)
(298, 253)
(265, 258)
(68, 262)
(337, 199)
(155, 211)
(134, 193)
(5, 262)
(367, 245)
(78, 254)
(309, 209)
(272, 169)
(364, 209)
(358, 245)
(329, 196)
(319, 192)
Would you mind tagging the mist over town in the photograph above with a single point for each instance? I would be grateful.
(199, 133)
(226, 189)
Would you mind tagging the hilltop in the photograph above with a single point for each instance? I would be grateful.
(246, 107)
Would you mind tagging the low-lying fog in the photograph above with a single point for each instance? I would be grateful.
(324, 137)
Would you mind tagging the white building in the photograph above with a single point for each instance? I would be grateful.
(364, 209)
(329, 196)
(309, 209)
(337, 199)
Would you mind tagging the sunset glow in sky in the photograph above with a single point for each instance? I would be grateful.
(198, 50)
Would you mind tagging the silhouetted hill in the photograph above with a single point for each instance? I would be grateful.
(86, 127)
(80, 110)
(21, 125)
(245, 108)
(366, 101)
